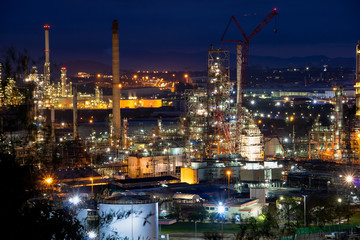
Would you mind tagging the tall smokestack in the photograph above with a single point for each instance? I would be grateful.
(75, 114)
(47, 55)
(116, 120)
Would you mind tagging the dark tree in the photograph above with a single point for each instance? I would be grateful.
(25, 212)
(212, 236)
(199, 214)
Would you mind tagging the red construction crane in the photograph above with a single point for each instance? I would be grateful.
(243, 49)
(242, 53)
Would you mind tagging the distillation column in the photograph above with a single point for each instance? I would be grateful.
(63, 82)
(356, 141)
(357, 83)
(116, 118)
(218, 139)
(339, 98)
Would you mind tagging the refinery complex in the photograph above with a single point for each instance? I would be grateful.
(212, 124)
(165, 137)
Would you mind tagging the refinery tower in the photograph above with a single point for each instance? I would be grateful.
(357, 82)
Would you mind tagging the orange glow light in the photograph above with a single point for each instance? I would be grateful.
(48, 180)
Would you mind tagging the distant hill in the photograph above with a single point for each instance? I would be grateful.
(310, 61)
(87, 66)
(176, 61)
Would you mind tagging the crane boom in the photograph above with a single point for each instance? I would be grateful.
(242, 53)
(261, 25)
(272, 14)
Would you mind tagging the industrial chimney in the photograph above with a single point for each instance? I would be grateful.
(116, 119)
(47, 56)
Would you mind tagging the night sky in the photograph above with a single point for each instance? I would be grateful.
(165, 29)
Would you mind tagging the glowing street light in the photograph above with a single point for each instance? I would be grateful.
(75, 200)
(221, 208)
(92, 186)
(349, 179)
(49, 180)
(92, 235)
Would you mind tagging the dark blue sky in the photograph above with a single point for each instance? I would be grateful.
(81, 29)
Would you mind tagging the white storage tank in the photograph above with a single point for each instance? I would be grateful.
(128, 217)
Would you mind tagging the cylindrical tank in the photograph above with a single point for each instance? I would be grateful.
(128, 217)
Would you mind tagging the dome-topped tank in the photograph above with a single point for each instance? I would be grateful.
(128, 217)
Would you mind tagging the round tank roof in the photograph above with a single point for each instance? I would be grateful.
(127, 199)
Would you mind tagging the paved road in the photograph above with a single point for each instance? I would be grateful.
(200, 236)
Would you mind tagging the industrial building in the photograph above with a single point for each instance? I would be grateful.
(264, 173)
(240, 209)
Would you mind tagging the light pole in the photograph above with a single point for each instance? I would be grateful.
(228, 173)
(304, 210)
(92, 186)
(195, 231)
(221, 211)
(339, 201)
(293, 134)
(349, 180)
